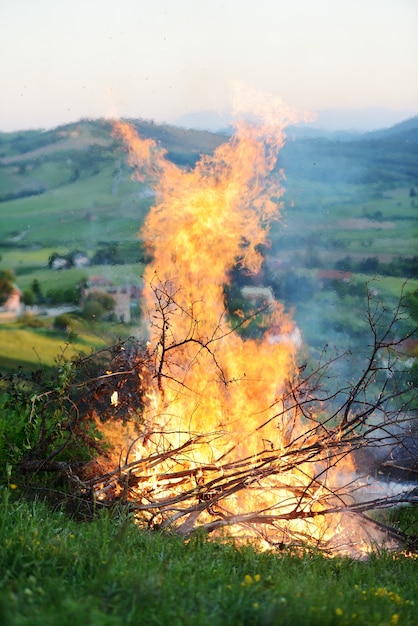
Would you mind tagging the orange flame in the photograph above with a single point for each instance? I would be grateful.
(206, 221)
(209, 380)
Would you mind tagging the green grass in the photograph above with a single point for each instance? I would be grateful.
(109, 572)
(29, 348)
(80, 214)
(130, 273)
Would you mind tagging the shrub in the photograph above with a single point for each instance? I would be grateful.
(98, 306)
(29, 297)
(31, 321)
(6, 285)
(69, 295)
(64, 323)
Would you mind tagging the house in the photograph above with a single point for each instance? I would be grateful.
(122, 298)
(60, 263)
(80, 259)
(12, 307)
(409, 347)
(325, 276)
(122, 295)
(259, 296)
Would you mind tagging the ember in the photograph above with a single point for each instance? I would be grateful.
(228, 437)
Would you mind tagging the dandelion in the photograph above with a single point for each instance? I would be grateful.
(338, 612)
(13, 486)
(394, 619)
(257, 578)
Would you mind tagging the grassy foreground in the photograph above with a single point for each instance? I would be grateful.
(108, 572)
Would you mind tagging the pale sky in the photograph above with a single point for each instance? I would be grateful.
(158, 59)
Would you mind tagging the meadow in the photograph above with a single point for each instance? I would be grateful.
(108, 572)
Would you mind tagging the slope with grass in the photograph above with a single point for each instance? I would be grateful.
(108, 572)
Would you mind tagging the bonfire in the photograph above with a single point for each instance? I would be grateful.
(223, 435)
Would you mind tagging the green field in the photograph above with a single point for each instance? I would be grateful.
(108, 572)
(43, 347)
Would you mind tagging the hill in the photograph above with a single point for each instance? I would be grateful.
(348, 206)
(407, 129)
(73, 183)
(388, 157)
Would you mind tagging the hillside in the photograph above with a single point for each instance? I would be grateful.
(76, 177)
(77, 174)
(349, 205)
(388, 157)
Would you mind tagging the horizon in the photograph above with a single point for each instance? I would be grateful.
(327, 121)
(162, 61)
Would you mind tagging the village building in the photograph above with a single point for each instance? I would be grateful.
(60, 263)
(80, 259)
(13, 307)
(123, 296)
(325, 276)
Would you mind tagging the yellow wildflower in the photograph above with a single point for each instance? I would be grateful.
(338, 612)
(394, 619)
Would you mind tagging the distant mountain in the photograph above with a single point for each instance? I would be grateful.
(359, 120)
(34, 162)
(339, 123)
(204, 120)
(408, 128)
(387, 156)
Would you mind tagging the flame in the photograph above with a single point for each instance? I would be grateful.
(216, 398)
(206, 221)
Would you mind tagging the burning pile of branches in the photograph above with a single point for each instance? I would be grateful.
(292, 481)
(207, 430)
(299, 486)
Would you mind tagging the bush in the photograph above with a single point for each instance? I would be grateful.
(64, 323)
(31, 321)
(69, 295)
(29, 297)
(6, 285)
(98, 306)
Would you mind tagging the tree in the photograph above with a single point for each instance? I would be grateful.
(36, 288)
(51, 259)
(6, 285)
(411, 302)
(98, 305)
(64, 323)
(107, 255)
(29, 297)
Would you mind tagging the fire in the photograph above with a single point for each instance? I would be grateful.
(206, 220)
(219, 436)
